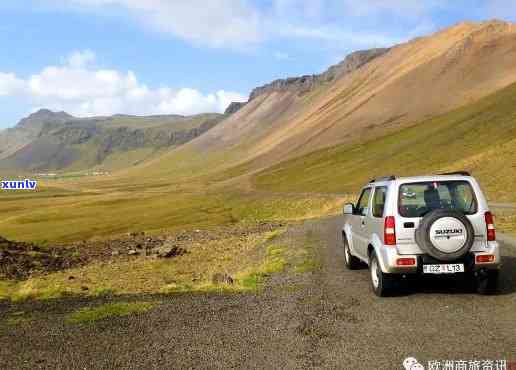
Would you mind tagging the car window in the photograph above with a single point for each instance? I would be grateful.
(418, 199)
(379, 201)
(363, 202)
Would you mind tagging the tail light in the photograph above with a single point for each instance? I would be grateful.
(491, 231)
(406, 261)
(389, 231)
(484, 258)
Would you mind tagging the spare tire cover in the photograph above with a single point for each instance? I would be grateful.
(445, 235)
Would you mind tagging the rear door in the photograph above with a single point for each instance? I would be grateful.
(417, 199)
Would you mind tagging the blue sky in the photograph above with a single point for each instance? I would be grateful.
(96, 57)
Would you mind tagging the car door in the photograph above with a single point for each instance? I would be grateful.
(360, 233)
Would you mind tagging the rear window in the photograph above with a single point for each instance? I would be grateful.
(418, 199)
(379, 201)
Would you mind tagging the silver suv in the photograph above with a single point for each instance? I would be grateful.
(410, 226)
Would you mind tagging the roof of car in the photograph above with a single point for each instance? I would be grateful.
(445, 176)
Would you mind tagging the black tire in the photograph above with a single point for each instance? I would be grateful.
(351, 262)
(487, 282)
(385, 284)
(423, 235)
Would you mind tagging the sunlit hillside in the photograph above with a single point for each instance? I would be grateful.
(480, 138)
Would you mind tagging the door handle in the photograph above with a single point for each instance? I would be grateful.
(363, 222)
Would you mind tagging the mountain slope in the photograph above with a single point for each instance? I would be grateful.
(58, 141)
(480, 137)
(27, 130)
(410, 82)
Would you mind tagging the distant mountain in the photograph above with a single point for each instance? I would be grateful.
(48, 140)
(28, 129)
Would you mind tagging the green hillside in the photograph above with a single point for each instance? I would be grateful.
(480, 138)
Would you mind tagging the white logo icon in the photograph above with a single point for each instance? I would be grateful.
(411, 363)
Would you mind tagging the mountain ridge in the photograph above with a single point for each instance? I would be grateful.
(47, 140)
(306, 83)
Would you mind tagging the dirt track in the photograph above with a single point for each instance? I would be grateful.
(325, 319)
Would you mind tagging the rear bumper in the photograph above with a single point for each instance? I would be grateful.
(389, 256)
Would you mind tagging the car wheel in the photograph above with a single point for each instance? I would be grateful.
(381, 283)
(487, 283)
(352, 262)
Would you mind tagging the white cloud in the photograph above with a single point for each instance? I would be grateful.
(214, 23)
(188, 100)
(10, 84)
(401, 8)
(338, 35)
(354, 24)
(241, 24)
(80, 88)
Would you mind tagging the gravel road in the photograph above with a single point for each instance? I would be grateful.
(323, 319)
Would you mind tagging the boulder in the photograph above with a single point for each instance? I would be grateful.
(221, 278)
(169, 251)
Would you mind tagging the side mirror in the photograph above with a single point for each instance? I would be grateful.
(348, 209)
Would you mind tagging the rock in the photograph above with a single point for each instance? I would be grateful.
(234, 107)
(221, 278)
(115, 253)
(168, 251)
(71, 277)
(84, 288)
(132, 252)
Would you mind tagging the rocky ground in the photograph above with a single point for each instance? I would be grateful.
(19, 260)
(322, 318)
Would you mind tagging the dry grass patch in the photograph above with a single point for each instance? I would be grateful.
(92, 314)
(20, 318)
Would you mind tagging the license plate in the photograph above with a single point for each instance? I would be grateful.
(443, 269)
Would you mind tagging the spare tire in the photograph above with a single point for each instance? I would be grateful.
(445, 235)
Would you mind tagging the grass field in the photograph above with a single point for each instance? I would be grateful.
(54, 215)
